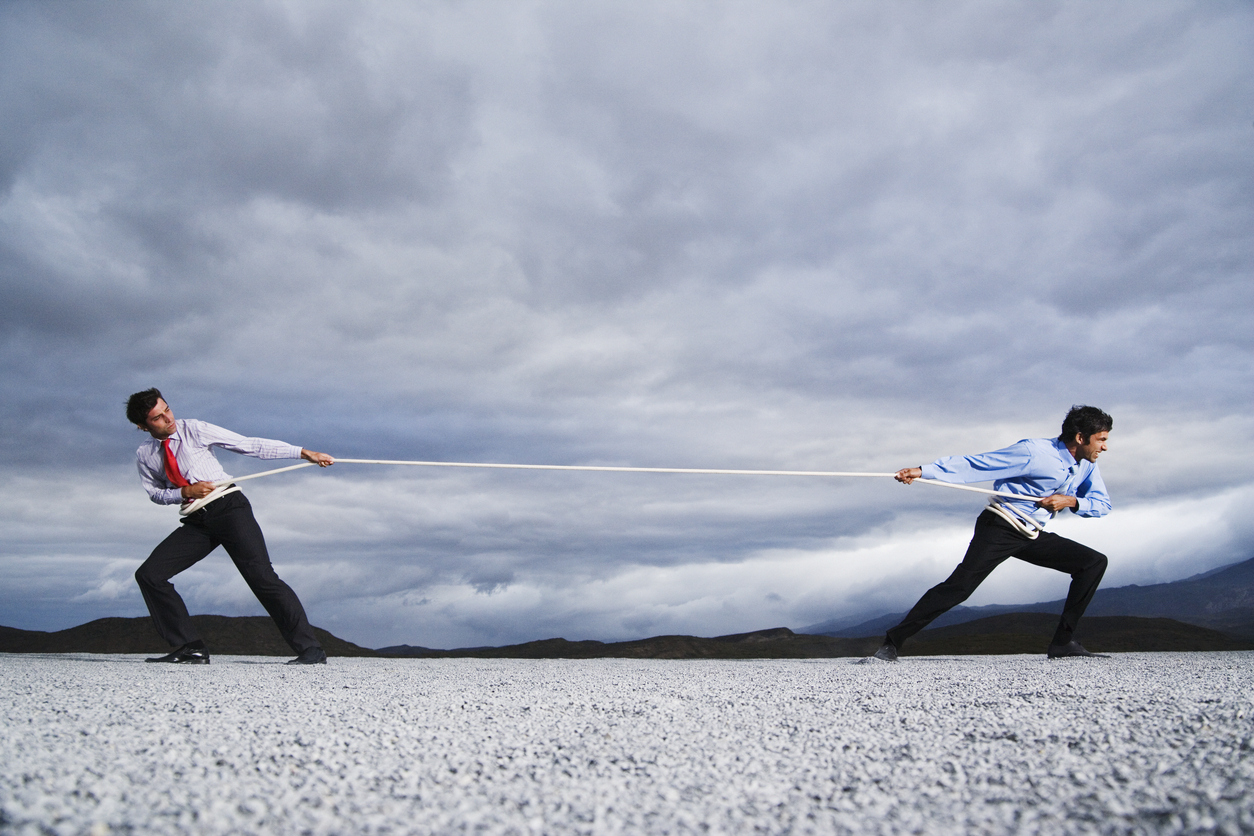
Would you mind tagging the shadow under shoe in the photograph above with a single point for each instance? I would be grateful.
(1072, 650)
(310, 656)
(185, 655)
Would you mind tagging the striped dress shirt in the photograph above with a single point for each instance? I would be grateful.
(191, 443)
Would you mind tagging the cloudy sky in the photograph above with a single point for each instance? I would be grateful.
(767, 235)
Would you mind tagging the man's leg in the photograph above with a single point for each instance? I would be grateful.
(233, 523)
(992, 543)
(186, 545)
(1085, 566)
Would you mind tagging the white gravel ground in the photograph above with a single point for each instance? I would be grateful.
(1141, 743)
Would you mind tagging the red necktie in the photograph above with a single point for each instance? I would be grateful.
(172, 466)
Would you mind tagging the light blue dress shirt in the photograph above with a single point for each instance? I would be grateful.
(1036, 467)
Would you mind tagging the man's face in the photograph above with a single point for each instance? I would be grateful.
(160, 420)
(1091, 448)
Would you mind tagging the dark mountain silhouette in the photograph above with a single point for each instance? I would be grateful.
(1030, 632)
(1002, 634)
(776, 643)
(1008, 633)
(242, 636)
(1221, 599)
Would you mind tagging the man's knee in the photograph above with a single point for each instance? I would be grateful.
(259, 574)
(147, 578)
(1097, 563)
(154, 572)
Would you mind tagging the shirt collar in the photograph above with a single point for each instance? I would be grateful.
(1063, 453)
(176, 435)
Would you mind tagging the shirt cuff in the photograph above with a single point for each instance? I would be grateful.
(1086, 507)
(168, 496)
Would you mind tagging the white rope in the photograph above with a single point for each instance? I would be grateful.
(1022, 523)
(227, 485)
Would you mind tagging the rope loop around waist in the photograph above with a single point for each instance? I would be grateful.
(1026, 526)
(193, 505)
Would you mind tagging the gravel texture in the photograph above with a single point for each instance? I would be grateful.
(1140, 743)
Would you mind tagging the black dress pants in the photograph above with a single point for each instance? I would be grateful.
(993, 542)
(226, 522)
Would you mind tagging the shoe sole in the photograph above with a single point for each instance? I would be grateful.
(321, 661)
(1078, 656)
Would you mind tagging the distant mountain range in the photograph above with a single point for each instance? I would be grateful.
(775, 643)
(1000, 634)
(1007, 633)
(1211, 611)
(1221, 599)
(1030, 632)
(235, 636)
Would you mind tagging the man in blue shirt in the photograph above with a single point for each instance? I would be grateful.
(1051, 474)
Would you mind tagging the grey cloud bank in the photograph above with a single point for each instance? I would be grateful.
(709, 235)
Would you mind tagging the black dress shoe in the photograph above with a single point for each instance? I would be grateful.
(310, 656)
(1070, 650)
(184, 656)
(886, 653)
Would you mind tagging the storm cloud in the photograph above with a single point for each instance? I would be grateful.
(754, 235)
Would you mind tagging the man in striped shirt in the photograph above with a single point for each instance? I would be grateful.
(177, 465)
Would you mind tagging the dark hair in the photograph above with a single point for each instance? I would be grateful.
(1085, 421)
(140, 404)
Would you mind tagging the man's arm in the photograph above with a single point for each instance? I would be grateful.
(1092, 499)
(155, 485)
(205, 434)
(200, 490)
(1053, 503)
(211, 435)
(996, 465)
(1057, 502)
